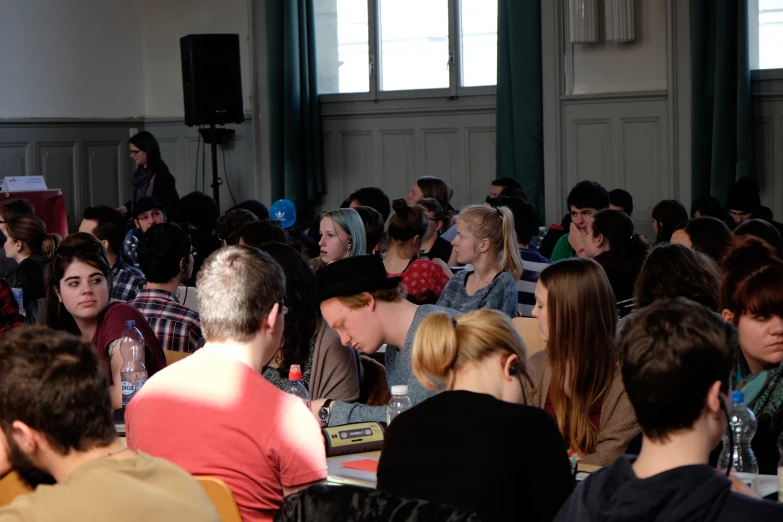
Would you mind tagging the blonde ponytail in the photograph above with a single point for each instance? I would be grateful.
(443, 345)
(434, 351)
(511, 261)
(497, 225)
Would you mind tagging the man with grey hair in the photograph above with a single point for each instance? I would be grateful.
(213, 413)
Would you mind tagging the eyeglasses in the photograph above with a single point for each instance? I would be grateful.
(134, 152)
(283, 310)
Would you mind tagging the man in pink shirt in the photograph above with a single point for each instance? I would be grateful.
(213, 413)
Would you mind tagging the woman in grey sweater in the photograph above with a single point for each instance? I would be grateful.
(486, 239)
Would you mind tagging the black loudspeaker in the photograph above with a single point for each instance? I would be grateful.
(211, 79)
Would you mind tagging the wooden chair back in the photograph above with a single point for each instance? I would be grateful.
(11, 486)
(528, 330)
(173, 356)
(223, 498)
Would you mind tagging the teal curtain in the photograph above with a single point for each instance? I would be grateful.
(296, 146)
(519, 117)
(721, 144)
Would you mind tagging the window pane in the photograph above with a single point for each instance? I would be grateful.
(414, 44)
(770, 34)
(479, 26)
(342, 49)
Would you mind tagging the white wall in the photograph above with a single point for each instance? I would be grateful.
(626, 67)
(165, 22)
(71, 59)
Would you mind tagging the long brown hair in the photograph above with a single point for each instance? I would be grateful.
(76, 247)
(582, 319)
(31, 231)
(497, 225)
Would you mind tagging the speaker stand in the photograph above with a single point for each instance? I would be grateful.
(215, 136)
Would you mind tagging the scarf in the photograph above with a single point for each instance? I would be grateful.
(763, 390)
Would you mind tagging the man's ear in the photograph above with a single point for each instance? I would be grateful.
(105, 244)
(25, 437)
(273, 317)
(713, 399)
(136, 223)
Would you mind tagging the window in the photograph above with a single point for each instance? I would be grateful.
(766, 34)
(433, 47)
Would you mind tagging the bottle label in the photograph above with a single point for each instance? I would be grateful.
(140, 383)
(749, 479)
(128, 388)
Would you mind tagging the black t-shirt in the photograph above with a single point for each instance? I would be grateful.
(441, 249)
(503, 461)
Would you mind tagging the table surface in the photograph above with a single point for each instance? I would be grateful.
(344, 476)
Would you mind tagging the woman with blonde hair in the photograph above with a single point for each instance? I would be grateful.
(342, 235)
(577, 379)
(487, 240)
(462, 446)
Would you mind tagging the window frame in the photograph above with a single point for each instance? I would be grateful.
(455, 90)
(757, 75)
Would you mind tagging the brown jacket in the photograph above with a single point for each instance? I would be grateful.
(336, 369)
(618, 423)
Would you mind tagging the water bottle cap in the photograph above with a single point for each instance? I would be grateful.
(737, 397)
(400, 389)
(295, 374)
(130, 323)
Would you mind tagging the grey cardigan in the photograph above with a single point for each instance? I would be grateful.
(500, 294)
(336, 368)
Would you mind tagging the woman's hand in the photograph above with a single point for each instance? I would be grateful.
(122, 209)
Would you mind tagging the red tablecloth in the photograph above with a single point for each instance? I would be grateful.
(49, 206)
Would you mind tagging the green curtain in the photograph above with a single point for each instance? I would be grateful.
(519, 117)
(721, 144)
(296, 147)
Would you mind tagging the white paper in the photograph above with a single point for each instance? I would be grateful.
(23, 183)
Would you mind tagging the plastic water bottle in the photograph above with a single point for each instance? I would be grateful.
(742, 424)
(780, 469)
(295, 386)
(133, 371)
(398, 403)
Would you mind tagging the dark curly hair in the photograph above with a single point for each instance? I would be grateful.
(301, 298)
(672, 271)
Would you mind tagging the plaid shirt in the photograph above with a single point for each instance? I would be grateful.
(177, 328)
(9, 308)
(128, 280)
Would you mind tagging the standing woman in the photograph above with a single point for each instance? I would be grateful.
(32, 248)
(752, 300)
(423, 279)
(77, 301)
(486, 239)
(152, 177)
(577, 379)
(342, 235)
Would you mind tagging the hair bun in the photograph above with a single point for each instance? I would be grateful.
(400, 206)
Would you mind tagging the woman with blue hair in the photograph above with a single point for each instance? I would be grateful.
(342, 235)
